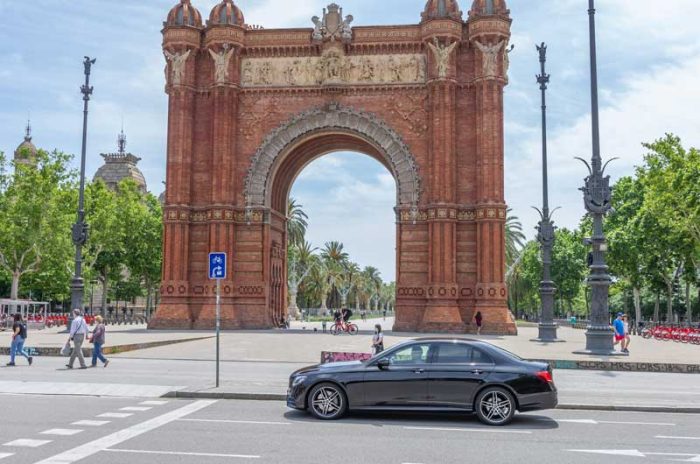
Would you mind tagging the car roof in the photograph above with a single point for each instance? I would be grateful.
(445, 339)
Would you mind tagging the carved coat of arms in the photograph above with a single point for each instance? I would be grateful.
(332, 26)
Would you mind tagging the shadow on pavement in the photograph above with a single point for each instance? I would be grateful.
(413, 419)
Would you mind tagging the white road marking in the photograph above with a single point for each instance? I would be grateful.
(94, 447)
(153, 403)
(136, 408)
(27, 443)
(454, 429)
(676, 438)
(176, 453)
(90, 423)
(87, 389)
(116, 415)
(634, 453)
(6, 455)
(61, 432)
(226, 421)
(596, 422)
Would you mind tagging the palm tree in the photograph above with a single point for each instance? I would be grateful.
(333, 252)
(297, 222)
(373, 283)
(515, 239)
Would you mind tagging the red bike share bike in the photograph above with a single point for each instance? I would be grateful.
(344, 327)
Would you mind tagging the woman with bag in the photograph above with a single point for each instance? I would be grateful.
(377, 340)
(98, 341)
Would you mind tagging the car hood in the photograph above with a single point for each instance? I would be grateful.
(345, 366)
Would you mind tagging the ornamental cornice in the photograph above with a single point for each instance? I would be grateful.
(215, 215)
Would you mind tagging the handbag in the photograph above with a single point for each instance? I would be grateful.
(66, 350)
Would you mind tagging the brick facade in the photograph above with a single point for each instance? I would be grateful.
(249, 108)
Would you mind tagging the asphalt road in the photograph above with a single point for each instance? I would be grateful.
(49, 430)
(155, 377)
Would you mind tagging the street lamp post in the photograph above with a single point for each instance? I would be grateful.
(597, 195)
(545, 228)
(80, 228)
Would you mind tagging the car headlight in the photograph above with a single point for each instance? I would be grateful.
(298, 380)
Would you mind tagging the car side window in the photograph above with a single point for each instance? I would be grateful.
(413, 354)
(461, 353)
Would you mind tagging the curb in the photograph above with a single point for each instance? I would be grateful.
(660, 368)
(204, 395)
(116, 349)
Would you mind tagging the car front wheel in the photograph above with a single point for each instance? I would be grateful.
(327, 402)
(495, 406)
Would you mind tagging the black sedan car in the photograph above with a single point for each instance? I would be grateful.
(428, 374)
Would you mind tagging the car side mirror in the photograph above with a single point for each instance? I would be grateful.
(383, 364)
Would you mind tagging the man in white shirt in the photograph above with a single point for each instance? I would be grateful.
(78, 334)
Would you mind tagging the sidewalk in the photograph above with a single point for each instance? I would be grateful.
(302, 345)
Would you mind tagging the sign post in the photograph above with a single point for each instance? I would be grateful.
(217, 271)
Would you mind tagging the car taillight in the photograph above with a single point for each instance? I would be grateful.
(545, 376)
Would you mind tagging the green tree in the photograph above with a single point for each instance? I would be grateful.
(515, 239)
(34, 218)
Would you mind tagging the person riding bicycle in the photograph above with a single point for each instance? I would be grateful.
(346, 314)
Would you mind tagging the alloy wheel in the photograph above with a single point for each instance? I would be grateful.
(496, 407)
(327, 402)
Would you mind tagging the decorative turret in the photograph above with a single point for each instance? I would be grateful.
(26, 151)
(184, 14)
(119, 166)
(226, 13)
(441, 9)
(488, 8)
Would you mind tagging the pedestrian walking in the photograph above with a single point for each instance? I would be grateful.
(377, 340)
(78, 334)
(626, 323)
(384, 314)
(98, 341)
(19, 336)
(479, 319)
(620, 337)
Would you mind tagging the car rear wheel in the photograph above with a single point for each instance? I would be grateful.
(327, 402)
(495, 406)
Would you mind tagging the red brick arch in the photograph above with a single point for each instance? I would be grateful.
(249, 108)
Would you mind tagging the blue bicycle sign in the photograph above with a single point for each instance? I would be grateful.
(217, 265)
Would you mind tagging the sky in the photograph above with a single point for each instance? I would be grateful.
(649, 63)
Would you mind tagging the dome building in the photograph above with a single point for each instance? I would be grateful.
(184, 14)
(119, 166)
(441, 9)
(226, 13)
(488, 8)
(26, 151)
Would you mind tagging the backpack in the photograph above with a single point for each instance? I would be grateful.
(23, 331)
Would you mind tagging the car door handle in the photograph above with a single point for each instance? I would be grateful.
(418, 371)
(477, 372)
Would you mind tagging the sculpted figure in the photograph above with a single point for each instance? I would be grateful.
(414, 69)
(346, 29)
(332, 66)
(221, 62)
(367, 70)
(442, 55)
(247, 73)
(293, 73)
(490, 56)
(506, 61)
(265, 73)
(318, 28)
(177, 64)
(394, 70)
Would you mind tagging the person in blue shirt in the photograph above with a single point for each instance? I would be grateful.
(620, 335)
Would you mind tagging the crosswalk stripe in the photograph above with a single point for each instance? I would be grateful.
(136, 408)
(116, 415)
(6, 455)
(61, 432)
(90, 423)
(27, 443)
(153, 403)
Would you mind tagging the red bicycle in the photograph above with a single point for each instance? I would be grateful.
(344, 327)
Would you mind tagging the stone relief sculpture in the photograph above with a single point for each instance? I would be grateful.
(490, 56)
(177, 64)
(442, 55)
(221, 62)
(333, 67)
(332, 26)
(506, 61)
